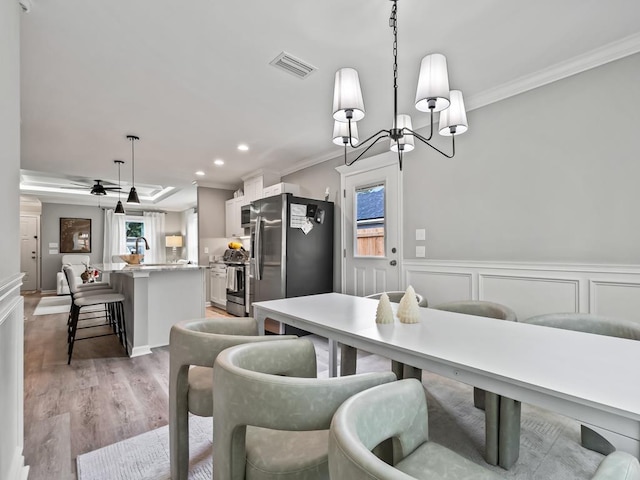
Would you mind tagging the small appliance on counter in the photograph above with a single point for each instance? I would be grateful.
(237, 260)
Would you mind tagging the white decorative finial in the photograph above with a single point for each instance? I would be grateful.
(384, 313)
(408, 310)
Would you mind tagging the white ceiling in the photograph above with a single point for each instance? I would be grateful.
(193, 80)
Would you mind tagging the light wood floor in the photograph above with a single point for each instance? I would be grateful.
(101, 398)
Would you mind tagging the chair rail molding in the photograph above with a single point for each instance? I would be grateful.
(530, 288)
(12, 466)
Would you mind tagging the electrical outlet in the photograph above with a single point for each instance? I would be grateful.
(421, 251)
(420, 234)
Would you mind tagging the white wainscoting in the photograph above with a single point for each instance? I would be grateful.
(530, 288)
(12, 380)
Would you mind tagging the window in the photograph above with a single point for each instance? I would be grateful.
(134, 229)
(370, 212)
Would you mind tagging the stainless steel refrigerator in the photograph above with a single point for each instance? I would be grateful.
(291, 249)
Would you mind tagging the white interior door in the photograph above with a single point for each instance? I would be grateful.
(29, 252)
(371, 230)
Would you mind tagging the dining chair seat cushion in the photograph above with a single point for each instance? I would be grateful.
(98, 299)
(92, 286)
(199, 396)
(432, 460)
(276, 454)
(90, 293)
(618, 466)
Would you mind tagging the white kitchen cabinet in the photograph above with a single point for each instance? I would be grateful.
(218, 285)
(233, 226)
(253, 189)
(279, 188)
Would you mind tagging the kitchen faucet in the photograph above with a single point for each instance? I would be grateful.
(146, 245)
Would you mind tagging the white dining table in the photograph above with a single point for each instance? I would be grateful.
(591, 378)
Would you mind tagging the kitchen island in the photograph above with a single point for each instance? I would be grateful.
(156, 297)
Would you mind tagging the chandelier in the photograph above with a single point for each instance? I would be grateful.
(432, 95)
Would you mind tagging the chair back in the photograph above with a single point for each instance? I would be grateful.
(479, 308)
(583, 322)
(395, 411)
(396, 295)
(76, 259)
(70, 275)
(273, 385)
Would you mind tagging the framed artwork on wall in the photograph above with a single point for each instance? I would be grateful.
(75, 235)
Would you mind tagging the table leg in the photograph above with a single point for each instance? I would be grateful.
(502, 430)
(348, 358)
(333, 358)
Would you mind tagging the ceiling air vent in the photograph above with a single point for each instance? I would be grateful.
(287, 62)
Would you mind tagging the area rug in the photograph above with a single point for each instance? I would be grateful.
(60, 304)
(549, 443)
(146, 456)
(53, 305)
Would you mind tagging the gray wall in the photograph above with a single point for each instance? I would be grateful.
(50, 233)
(550, 175)
(211, 216)
(10, 138)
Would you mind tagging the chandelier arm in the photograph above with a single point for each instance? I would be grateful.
(426, 142)
(348, 164)
(364, 142)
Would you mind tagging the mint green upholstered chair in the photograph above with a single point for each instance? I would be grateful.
(618, 466)
(598, 325)
(271, 416)
(396, 411)
(193, 347)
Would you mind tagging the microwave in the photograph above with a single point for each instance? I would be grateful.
(245, 216)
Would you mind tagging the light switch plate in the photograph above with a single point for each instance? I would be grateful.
(421, 251)
(206, 250)
(420, 234)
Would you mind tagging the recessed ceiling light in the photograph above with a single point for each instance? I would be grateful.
(200, 173)
(243, 147)
(218, 162)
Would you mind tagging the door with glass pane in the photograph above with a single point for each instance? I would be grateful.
(371, 224)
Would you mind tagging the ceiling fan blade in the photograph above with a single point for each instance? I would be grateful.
(112, 188)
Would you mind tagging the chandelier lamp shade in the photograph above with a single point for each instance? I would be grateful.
(341, 133)
(432, 95)
(119, 208)
(133, 194)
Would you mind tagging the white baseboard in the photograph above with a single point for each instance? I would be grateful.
(139, 351)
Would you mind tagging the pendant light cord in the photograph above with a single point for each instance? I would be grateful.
(133, 163)
(393, 23)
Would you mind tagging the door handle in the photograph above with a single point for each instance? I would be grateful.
(393, 263)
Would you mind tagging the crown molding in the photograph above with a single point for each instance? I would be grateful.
(595, 58)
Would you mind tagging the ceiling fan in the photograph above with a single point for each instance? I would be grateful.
(98, 188)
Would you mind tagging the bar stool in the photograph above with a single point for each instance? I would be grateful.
(113, 303)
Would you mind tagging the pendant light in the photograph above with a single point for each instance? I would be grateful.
(432, 95)
(119, 208)
(133, 194)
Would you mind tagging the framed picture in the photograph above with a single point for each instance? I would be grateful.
(75, 235)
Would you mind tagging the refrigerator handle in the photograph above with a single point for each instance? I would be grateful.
(258, 248)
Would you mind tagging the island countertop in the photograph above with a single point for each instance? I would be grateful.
(154, 267)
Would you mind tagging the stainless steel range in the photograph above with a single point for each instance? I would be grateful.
(237, 282)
